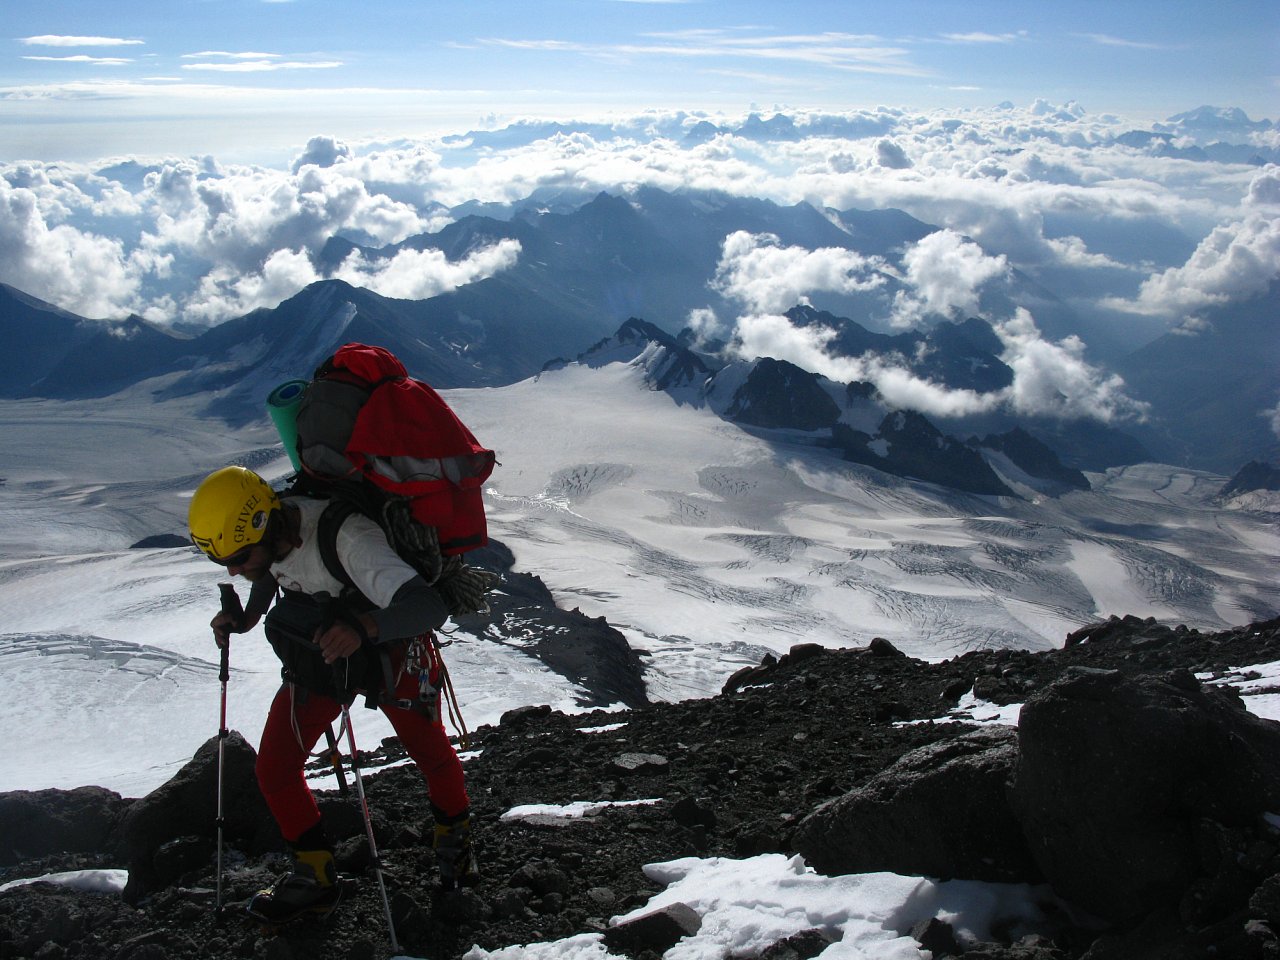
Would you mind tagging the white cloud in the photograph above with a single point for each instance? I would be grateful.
(1264, 189)
(944, 273)
(1053, 379)
(1050, 379)
(832, 50)
(241, 220)
(246, 55)
(1235, 261)
(322, 152)
(706, 326)
(264, 66)
(1073, 252)
(57, 40)
(87, 274)
(409, 275)
(1273, 418)
(758, 271)
(84, 58)
(891, 156)
(772, 335)
(1044, 187)
(420, 274)
(224, 293)
(978, 37)
(1107, 40)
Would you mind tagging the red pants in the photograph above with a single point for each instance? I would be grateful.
(284, 751)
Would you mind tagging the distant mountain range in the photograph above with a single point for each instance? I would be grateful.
(585, 269)
(773, 397)
(1211, 386)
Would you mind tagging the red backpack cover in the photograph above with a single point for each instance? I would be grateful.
(363, 419)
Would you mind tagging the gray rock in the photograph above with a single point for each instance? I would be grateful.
(880, 647)
(804, 945)
(542, 877)
(940, 811)
(1265, 902)
(936, 936)
(187, 806)
(1115, 774)
(35, 823)
(519, 716)
(641, 763)
(658, 931)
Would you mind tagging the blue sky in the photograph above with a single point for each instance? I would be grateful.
(244, 78)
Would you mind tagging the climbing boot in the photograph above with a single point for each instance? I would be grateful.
(311, 887)
(452, 844)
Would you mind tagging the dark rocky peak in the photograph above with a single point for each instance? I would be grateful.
(777, 394)
(860, 390)
(1254, 475)
(852, 338)
(40, 335)
(883, 232)
(907, 444)
(1034, 458)
(461, 237)
(961, 356)
(455, 241)
(605, 210)
(973, 336)
(701, 132)
(111, 355)
(669, 366)
(964, 356)
(636, 330)
(12, 300)
(778, 127)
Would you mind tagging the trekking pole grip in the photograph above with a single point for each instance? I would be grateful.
(230, 605)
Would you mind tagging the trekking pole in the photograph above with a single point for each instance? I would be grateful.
(328, 609)
(368, 826)
(230, 605)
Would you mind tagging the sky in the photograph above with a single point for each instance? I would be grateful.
(252, 79)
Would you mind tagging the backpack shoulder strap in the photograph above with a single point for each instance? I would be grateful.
(331, 520)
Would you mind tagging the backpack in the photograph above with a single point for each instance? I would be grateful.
(378, 442)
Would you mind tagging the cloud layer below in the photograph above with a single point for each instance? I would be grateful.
(1115, 227)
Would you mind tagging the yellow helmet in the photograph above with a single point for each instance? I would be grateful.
(230, 511)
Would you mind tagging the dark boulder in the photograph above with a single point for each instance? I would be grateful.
(34, 823)
(940, 811)
(658, 931)
(804, 945)
(186, 808)
(1117, 776)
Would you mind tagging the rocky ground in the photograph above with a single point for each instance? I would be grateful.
(736, 773)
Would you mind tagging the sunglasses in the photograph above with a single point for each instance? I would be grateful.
(237, 559)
